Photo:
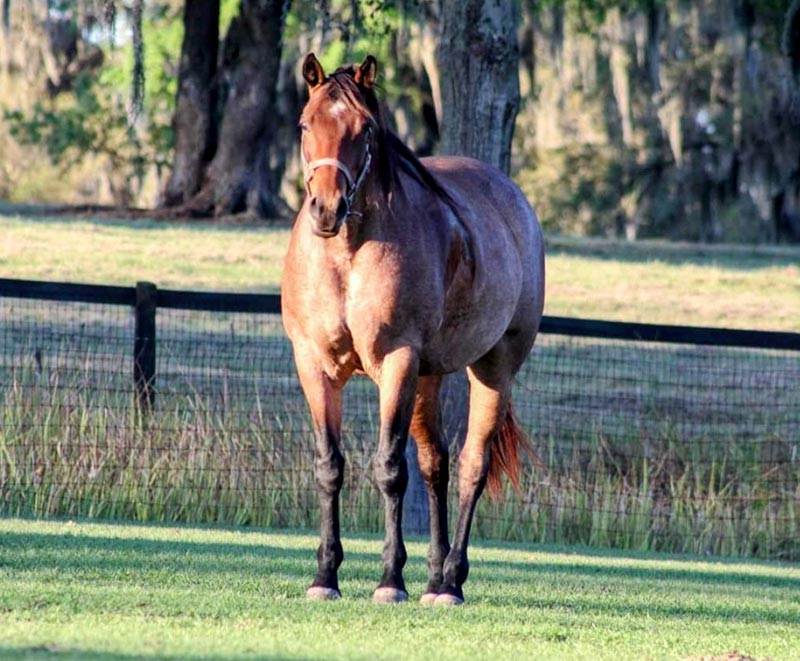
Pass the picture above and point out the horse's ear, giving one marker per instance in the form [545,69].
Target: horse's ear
[366,73]
[312,71]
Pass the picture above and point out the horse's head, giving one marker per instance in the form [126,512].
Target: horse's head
[336,143]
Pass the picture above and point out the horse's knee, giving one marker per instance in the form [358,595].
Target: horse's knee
[329,473]
[391,472]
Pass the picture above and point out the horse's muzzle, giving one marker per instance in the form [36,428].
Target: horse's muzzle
[325,221]
[325,233]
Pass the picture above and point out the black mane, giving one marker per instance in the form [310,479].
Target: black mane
[393,154]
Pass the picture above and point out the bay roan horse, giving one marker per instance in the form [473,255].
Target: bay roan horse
[406,270]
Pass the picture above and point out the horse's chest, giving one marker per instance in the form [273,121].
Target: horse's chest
[358,335]
[334,344]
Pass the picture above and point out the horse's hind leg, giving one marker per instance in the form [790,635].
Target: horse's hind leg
[487,408]
[426,428]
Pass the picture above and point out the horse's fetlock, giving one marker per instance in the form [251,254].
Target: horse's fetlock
[456,569]
[330,555]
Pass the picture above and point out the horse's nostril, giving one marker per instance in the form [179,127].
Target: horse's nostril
[341,209]
[314,208]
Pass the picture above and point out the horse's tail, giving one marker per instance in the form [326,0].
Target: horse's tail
[505,455]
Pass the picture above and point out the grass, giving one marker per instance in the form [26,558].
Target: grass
[652,282]
[121,252]
[95,592]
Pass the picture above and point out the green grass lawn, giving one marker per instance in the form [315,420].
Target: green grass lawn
[102,591]
[657,282]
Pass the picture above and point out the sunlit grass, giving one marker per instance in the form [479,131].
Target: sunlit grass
[74,590]
[173,255]
[649,282]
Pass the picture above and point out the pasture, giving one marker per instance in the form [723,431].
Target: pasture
[655,282]
[79,590]
[96,592]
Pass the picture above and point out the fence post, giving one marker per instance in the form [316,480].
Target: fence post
[144,344]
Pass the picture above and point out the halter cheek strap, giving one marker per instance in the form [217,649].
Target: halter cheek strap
[352,184]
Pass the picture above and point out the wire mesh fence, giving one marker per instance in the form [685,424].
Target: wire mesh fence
[644,445]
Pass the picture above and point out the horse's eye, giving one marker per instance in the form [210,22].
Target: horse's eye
[303,126]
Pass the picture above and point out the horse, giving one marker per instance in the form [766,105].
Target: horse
[406,270]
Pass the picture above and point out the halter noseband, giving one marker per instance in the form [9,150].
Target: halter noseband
[353,185]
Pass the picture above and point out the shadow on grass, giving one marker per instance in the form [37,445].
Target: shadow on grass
[123,561]
[81,552]
[67,653]
[729,256]
[593,599]
[105,216]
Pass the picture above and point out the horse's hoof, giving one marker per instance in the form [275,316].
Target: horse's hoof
[389,596]
[428,598]
[445,599]
[319,593]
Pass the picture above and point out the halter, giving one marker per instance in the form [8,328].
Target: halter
[353,185]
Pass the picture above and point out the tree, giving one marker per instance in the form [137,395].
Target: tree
[5,33]
[478,69]
[237,177]
[194,123]
[791,38]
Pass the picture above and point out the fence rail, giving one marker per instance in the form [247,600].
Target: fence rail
[654,436]
[271,304]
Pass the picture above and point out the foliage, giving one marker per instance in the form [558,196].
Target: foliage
[97,123]
[99,116]
[622,155]
[662,119]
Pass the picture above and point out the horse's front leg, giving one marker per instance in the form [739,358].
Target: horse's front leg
[397,383]
[325,402]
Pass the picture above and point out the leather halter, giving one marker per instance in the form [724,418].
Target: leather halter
[353,184]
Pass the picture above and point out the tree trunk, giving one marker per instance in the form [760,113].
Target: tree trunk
[194,123]
[478,63]
[5,36]
[655,28]
[791,39]
[238,177]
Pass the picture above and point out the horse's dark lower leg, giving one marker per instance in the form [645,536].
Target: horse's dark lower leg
[426,428]
[325,403]
[329,474]
[487,407]
[391,473]
[397,387]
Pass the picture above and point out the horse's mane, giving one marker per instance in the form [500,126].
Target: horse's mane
[393,155]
